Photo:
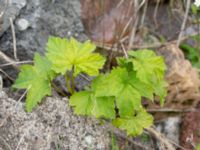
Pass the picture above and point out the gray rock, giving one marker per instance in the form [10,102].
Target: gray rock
[39,20]
[50,125]
[46,18]
[11,11]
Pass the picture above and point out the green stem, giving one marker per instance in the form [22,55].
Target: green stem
[126,142]
[70,81]
[67,79]
[58,90]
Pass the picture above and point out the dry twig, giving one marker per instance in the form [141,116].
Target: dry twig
[144,13]
[163,141]
[129,21]
[166,143]
[8,59]
[155,13]
[21,97]
[16,63]
[1,84]
[14,39]
[124,50]
[85,77]
[9,77]
[184,22]
[170,110]
[132,36]
[155,45]
[141,4]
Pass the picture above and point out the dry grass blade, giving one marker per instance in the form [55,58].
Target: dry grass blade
[10,78]
[8,59]
[155,13]
[144,13]
[1,83]
[124,50]
[133,32]
[21,97]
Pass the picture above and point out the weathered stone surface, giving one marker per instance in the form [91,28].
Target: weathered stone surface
[51,124]
[46,18]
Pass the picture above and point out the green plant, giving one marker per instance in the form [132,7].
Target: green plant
[115,95]
[192,54]
[197,146]
[63,57]
[114,144]
[36,79]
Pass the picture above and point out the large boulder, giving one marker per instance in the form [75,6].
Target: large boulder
[38,20]
[34,23]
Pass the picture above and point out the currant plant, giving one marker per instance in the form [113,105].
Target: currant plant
[36,79]
[63,57]
[115,95]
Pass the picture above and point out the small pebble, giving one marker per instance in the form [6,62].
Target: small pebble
[69,33]
[76,35]
[88,139]
[22,24]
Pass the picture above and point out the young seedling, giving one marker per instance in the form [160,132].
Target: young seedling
[114,95]
[63,57]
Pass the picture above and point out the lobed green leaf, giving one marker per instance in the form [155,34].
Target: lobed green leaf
[118,84]
[85,103]
[134,125]
[67,54]
[36,79]
[147,65]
